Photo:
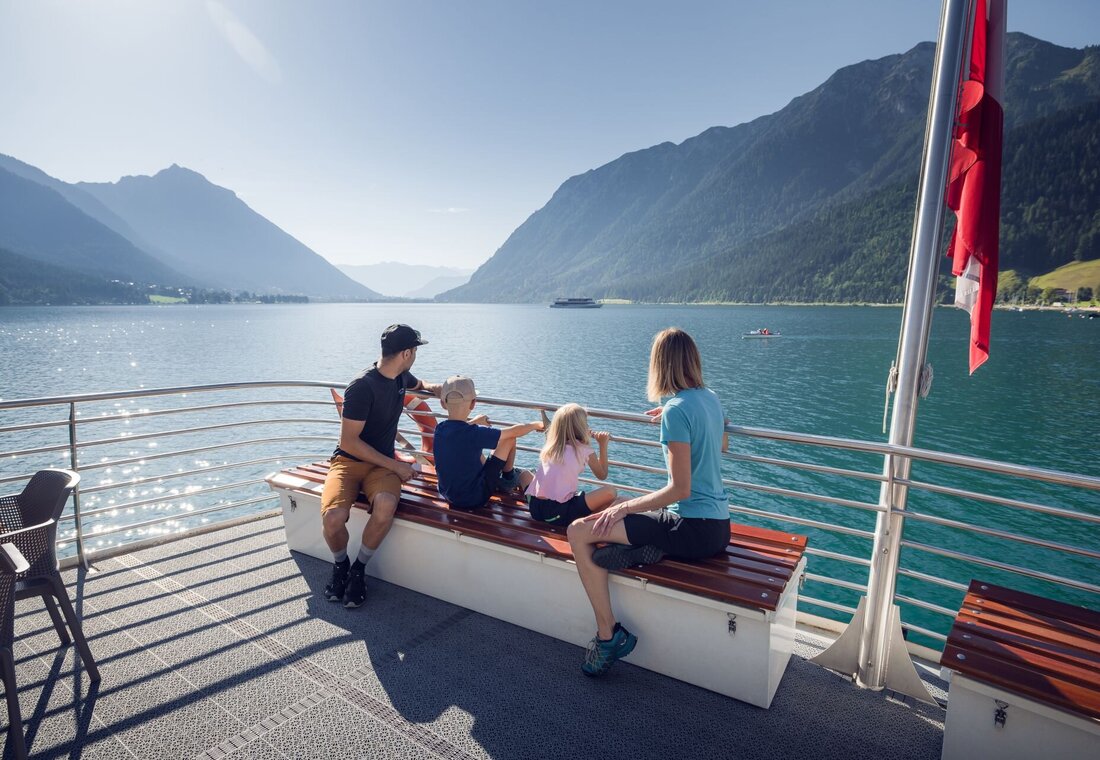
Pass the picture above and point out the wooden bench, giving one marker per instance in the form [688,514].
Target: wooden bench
[726,623]
[1025,677]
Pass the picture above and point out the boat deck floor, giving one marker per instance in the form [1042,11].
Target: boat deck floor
[222,644]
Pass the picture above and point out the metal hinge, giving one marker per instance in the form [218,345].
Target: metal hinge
[1001,715]
[802,581]
[293,504]
[731,623]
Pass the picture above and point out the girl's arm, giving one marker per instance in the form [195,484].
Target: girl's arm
[677,489]
[598,463]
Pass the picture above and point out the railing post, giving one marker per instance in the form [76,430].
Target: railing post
[76,491]
[872,648]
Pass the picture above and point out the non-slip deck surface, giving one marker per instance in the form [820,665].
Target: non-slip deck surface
[222,645]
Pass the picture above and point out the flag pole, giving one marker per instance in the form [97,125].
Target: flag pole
[872,648]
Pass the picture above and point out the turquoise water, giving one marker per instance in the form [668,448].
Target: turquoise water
[1036,402]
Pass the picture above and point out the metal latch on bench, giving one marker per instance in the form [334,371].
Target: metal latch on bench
[1001,715]
[731,623]
[293,505]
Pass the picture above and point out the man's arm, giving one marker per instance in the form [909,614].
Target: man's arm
[354,445]
[432,388]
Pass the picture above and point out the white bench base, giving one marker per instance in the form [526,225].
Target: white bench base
[1031,729]
[738,652]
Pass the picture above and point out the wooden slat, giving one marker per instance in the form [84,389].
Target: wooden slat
[1026,644]
[753,572]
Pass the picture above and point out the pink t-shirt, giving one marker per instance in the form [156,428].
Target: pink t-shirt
[557,481]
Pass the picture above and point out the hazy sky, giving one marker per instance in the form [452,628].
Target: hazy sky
[413,130]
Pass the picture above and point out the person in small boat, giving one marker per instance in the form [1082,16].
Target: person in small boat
[364,460]
[687,519]
[466,478]
[553,496]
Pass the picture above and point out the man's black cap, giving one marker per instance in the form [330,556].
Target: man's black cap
[397,338]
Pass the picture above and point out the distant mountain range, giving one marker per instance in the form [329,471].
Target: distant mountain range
[174,228]
[813,202]
[392,278]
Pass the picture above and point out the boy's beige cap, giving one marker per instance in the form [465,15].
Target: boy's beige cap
[457,389]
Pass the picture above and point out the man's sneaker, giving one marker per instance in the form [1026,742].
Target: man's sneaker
[601,655]
[356,592]
[334,591]
[622,556]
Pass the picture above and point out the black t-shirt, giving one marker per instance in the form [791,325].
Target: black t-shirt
[377,400]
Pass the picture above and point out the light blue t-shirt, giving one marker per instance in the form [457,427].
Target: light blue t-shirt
[694,416]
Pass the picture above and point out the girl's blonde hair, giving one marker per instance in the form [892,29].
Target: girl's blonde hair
[674,364]
[569,426]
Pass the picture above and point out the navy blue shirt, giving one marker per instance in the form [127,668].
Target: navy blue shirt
[458,447]
[377,400]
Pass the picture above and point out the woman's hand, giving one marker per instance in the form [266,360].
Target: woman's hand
[602,522]
[655,413]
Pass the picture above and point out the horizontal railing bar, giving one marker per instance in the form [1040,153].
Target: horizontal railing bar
[804,495]
[840,557]
[999,500]
[954,585]
[836,582]
[1080,585]
[1052,545]
[189,409]
[86,513]
[926,605]
[818,468]
[166,518]
[80,398]
[203,449]
[923,631]
[801,521]
[827,605]
[180,474]
[616,486]
[33,426]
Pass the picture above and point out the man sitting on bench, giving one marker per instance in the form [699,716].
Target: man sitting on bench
[364,460]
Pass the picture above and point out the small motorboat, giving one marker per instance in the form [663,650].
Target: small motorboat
[761,333]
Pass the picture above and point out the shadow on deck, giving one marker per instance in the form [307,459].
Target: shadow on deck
[222,645]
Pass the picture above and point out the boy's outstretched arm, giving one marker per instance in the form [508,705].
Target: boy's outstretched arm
[518,431]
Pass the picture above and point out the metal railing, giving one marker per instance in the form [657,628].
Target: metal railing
[821,485]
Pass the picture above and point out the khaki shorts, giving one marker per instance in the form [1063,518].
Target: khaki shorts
[347,478]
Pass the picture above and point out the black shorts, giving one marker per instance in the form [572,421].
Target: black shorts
[681,537]
[488,479]
[559,512]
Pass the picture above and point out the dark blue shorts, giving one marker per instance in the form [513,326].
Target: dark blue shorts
[681,537]
[559,512]
[488,480]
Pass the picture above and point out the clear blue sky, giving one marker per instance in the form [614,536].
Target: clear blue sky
[416,130]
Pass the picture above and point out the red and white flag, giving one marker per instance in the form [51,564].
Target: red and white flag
[974,182]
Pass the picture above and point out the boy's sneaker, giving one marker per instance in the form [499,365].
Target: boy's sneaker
[334,591]
[601,655]
[510,482]
[356,592]
[622,556]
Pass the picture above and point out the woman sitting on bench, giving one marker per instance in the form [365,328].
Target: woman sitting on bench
[693,517]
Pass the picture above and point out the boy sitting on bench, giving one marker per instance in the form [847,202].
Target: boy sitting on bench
[466,478]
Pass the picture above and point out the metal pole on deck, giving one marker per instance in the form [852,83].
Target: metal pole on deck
[872,648]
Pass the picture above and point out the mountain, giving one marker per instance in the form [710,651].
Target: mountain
[25,281]
[393,278]
[211,235]
[38,223]
[642,222]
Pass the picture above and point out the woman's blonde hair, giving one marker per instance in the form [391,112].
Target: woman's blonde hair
[569,426]
[674,364]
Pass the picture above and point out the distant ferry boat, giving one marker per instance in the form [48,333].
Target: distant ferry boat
[575,303]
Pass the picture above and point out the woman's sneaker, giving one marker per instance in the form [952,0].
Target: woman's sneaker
[601,655]
[622,556]
[334,591]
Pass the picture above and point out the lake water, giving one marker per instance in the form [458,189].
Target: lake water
[1036,402]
